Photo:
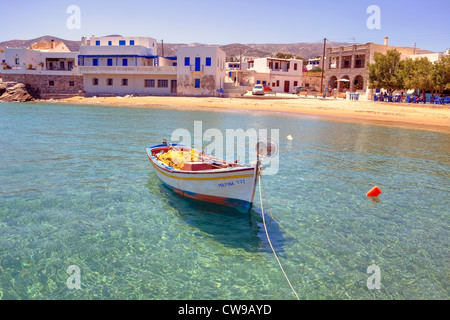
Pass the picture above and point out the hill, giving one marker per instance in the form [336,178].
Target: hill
[302,49]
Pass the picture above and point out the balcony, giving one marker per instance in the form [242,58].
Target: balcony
[171,70]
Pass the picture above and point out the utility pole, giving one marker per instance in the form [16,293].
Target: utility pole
[162,48]
[323,64]
[414,48]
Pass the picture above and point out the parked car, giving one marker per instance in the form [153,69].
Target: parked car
[258,89]
[299,89]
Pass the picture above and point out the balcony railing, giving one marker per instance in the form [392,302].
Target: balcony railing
[192,67]
[128,70]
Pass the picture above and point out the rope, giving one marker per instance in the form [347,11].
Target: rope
[270,243]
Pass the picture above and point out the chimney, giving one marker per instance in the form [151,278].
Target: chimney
[386,39]
[83,41]
[53,43]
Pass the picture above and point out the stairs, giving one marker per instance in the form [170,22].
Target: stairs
[230,90]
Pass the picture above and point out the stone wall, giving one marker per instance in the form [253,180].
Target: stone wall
[186,85]
[62,84]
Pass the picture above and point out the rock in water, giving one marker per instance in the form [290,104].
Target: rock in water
[17,92]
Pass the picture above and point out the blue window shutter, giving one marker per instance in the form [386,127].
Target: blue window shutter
[197,64]
[125,62]
[121,42]
[208,62]
[109,43]
[97,43]
[95,62]
[110,62]
[197,83]
[131,42]
[187,61]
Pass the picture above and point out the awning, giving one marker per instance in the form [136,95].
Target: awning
[344,80]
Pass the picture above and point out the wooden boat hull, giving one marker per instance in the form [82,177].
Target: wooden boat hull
[233,187]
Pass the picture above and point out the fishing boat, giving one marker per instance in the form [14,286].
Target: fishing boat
[203,177]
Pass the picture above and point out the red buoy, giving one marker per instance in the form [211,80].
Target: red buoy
[374,192]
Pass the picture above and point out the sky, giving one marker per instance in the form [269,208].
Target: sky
[426,23]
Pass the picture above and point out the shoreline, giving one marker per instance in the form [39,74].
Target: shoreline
[426,117]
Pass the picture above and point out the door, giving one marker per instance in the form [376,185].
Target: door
[197,64]
[173,86]
[286,86]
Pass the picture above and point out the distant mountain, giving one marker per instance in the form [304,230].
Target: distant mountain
[72,45]
[302,49]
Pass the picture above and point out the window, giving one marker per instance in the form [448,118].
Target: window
[278,83]
[295,66]
[17,61]
[149,83]
[121,42]
[124,82]
[97,43]
[109,43]
[163,83]
[197,83]
[131,42]
[208,62]
[187,61]
[109,62]
[295,83]
[71,83]
[51,83]
[95,81]
[109,82]
[95,62]
[125,62]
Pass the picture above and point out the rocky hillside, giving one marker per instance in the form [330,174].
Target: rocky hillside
[302,49]
[72,45]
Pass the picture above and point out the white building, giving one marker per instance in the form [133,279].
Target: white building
[130,65]
[281,75]
[126,65]
[314,63]
[48,70]
[201,70]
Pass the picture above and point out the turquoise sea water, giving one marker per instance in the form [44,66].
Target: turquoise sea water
[76,188]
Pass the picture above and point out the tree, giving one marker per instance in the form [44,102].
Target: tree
[305,62]
[418,74]
[281,55]
[385,72]
[317,69]
[441,74]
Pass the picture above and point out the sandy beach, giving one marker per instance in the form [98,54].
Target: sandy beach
[426,116]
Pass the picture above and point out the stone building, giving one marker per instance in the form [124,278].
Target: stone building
[346,66]
[50,71]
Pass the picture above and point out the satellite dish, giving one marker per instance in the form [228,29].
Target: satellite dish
[266,148]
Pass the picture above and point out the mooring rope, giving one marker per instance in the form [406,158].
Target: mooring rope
[268,238]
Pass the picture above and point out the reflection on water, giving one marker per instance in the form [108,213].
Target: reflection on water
[222,223]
